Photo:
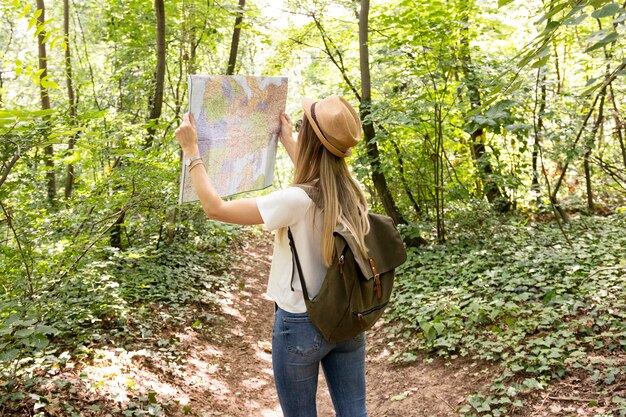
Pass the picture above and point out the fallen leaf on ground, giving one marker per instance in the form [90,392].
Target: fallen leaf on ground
[400,397]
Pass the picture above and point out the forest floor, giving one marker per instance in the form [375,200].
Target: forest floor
[220,365]
[243,386]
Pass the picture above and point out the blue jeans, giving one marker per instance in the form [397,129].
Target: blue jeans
[297,350]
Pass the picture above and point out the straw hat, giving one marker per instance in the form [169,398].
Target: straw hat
[335,122]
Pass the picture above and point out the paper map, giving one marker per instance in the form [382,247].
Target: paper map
[238,120]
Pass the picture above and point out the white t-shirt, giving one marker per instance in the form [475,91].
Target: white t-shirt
[293,208]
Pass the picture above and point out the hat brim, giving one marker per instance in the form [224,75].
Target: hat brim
[307,103]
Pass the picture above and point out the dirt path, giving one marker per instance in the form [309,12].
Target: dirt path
[239,371]
[223,367]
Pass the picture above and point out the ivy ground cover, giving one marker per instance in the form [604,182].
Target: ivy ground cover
[542,301]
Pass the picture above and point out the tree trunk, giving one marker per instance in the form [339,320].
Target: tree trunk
[159,78]
[541,78]
[416,206]
[607,82]
[116,230]
[69,180]
[378,177]
[8,28]
[586,165]
[45,104]
[438,170]
[234,45]
[479,152]
[619,126]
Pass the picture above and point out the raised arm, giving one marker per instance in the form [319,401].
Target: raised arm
[241,211]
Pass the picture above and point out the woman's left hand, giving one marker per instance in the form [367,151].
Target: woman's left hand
[286,128]
[187,135]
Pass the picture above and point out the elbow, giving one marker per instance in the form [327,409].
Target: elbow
[213,211]
[210,213]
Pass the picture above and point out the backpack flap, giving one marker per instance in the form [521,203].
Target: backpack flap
[384,244]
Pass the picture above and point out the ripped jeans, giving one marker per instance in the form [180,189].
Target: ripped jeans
[297,351]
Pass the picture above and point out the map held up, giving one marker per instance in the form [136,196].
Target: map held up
[238,120]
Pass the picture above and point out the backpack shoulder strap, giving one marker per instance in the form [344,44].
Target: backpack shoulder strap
[294,254]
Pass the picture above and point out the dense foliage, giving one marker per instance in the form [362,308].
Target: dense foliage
[474,108]
[117,298]
[522,294]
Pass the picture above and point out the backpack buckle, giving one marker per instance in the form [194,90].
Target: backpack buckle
[377,284]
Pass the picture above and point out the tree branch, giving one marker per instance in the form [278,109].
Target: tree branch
[29,277]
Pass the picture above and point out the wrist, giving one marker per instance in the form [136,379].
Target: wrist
[190,152]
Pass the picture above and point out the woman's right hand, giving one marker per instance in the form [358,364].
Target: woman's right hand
[187,135]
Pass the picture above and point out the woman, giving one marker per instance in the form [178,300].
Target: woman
[329,130]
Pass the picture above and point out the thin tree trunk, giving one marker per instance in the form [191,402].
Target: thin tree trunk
[541,79]
[378,177]
[557,67]
[619,125]
[45,104]
[405,183]
[586,165]
[590,205]
[159,78]
[331,49]
[438,165]
[607,82]
[479,151]
[69,179]
[116,230]
[234,45]
[7,48]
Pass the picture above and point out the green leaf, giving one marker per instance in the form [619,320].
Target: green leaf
[400,397]
[540,62]
[152,397]
[552,12]
[37,341]
[607,10]
[47,83]
[574,21]
[9,355]
[502,3]
[21,333]
[550,27]
[607,39]
[620,19]
[43,329]
[32,22]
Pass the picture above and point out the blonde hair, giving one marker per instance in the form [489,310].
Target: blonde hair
[339,195]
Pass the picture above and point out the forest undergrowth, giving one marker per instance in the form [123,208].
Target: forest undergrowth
[543,300]
[124,299]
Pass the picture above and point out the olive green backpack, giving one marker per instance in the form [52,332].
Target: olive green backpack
[355,290]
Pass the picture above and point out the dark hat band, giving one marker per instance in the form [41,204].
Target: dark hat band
[315,118]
